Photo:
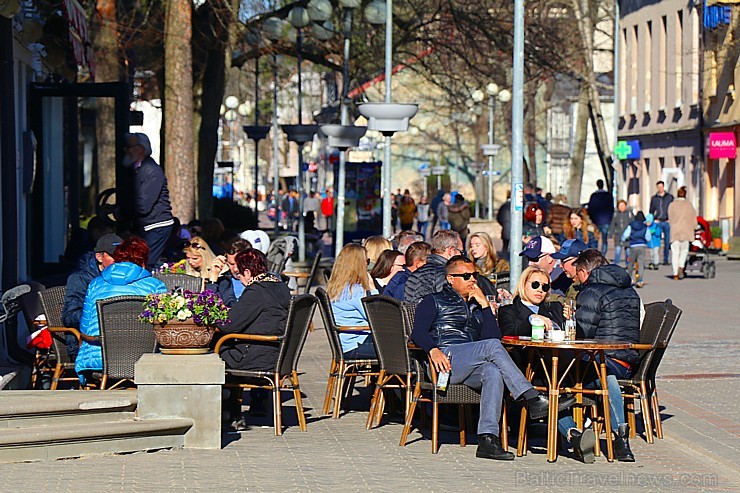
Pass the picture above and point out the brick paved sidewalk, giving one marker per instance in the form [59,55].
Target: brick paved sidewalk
[699,452]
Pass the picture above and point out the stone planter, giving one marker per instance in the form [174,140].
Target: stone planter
[176,337]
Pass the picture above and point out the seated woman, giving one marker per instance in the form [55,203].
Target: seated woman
[579,227]
[199,258]
[127,276]
[261,309]
[534,222]
[346,288]
[530,297]
[389,263]
[481,251]
[374,246]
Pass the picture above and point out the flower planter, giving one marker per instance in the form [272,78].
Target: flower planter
[186,337]
[717,243]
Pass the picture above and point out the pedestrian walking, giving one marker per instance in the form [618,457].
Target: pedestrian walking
[601,210]
[443,212]
[683,221]
[621,219]
[659,209]
[422,216]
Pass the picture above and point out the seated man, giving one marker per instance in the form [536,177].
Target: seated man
[227,284]
[416,257]
[608,308]
[566,286]
[463,340]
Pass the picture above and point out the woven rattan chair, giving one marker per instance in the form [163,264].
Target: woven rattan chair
[657,329]
[285,374]
[181,281]
[123,338]
[425,390]
[387,327]
[52,301]
[502,280]
[342,372]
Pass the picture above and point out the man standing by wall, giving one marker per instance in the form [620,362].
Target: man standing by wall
[601,210]
[659,209]
[150,210]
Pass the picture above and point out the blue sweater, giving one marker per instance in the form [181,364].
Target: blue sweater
[119,279]
[348,310]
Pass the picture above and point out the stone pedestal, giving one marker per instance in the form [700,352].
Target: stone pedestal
[183,386]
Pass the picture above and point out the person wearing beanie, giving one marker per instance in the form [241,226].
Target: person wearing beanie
[638,235]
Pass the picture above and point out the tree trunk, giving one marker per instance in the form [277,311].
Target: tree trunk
[107,69]
[584,13]
[178,108]
[579,147]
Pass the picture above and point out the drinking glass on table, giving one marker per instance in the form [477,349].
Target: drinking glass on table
[491,299]
[570,322]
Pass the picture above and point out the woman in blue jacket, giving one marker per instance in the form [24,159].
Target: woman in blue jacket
[127,276]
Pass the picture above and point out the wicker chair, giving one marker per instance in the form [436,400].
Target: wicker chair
[425,390]
[502,280]
[660,321]
[52,301]
[301,312]
[387,327]
[341,370]
[123,337]
[305,286]
[182,281]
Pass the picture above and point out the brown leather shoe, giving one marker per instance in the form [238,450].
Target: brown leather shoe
[675,278]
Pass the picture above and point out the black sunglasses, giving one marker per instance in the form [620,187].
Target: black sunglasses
[466,275]
[194,245]
[537,284]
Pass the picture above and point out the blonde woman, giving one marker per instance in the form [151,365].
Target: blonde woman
[375,245]
[199,258]
[530,297]
[347,286]
[481,251]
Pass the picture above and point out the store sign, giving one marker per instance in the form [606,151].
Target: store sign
[628,149]
[722,145]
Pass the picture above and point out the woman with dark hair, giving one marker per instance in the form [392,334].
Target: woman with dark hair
[262,309]
[534,222]
[389,263]
[127,276]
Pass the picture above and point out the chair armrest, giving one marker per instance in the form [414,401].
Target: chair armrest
[246,337]
[642,347]
[299,275]
[353,328]
[88,338]
[67,330]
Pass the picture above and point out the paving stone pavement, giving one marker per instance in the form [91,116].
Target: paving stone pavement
[698,383]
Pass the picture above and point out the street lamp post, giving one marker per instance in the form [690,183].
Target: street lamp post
[517,142]
[256,132]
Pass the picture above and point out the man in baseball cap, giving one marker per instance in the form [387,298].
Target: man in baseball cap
[88,268]
[565,284]
[539,251]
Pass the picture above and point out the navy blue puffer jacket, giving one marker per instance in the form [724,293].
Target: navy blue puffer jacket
[609,308]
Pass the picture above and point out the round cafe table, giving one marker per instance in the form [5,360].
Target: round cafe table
[544,349]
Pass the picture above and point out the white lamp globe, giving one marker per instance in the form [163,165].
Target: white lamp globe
[319,10]
[231,102]
[375,12]
[492,89]
[504,96]
[298,17]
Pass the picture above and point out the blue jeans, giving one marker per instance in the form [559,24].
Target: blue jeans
[604,231]
[422,227]
[366,350]
[487,366]
[665,232]
[614,372]
[444,224]
[618,252]
[156,239]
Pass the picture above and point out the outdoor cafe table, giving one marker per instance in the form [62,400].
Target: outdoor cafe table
[552,349]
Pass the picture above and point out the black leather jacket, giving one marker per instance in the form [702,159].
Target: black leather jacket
[455,322]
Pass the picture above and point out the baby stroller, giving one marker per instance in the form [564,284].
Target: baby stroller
[698,258]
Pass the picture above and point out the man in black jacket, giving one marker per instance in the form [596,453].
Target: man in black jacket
[458,330]
[431,277]
[150,210]
[608,308]
[659,209]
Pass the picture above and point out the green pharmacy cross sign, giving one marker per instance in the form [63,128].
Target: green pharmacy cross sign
[623,150]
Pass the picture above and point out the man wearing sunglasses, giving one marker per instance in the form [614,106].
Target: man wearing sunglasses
[566,285]
[458,330]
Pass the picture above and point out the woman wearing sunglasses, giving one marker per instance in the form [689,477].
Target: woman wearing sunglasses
[199,258]
[530,297]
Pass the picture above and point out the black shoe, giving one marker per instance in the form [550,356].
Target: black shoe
[239,424]
[583,445]
[622,450]
[539,406]
[489,447]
